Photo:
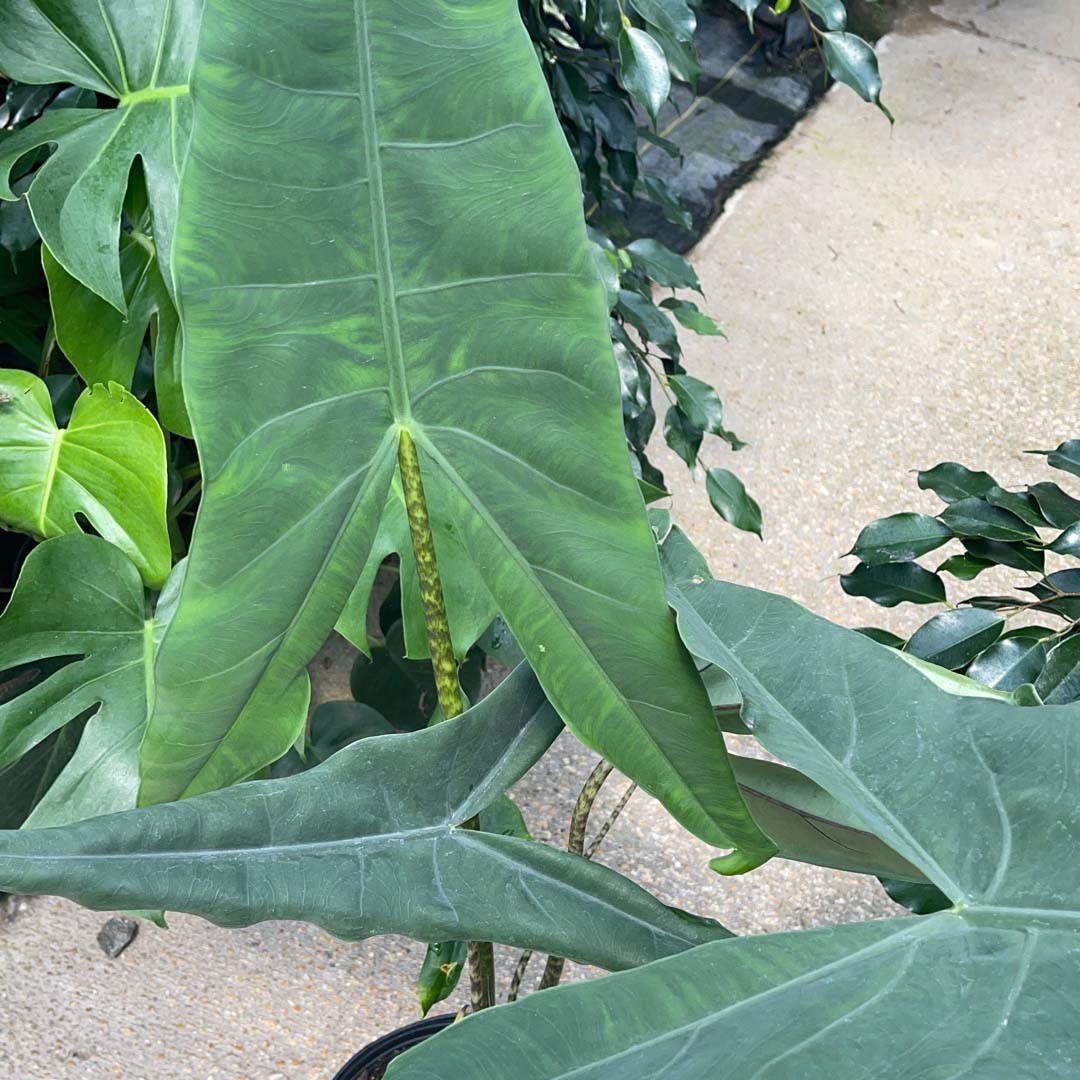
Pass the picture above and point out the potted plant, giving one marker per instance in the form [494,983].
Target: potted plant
[428,376]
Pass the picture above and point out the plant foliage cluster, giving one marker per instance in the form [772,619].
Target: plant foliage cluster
[1001,641]
[394,350]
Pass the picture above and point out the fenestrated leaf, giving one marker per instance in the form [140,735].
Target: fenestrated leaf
[103,345]
[143,62]
[1057,506]
[663,265]
[978,518]
[369,843]
[24,783]
[1065,457]
[954,638]
[978,794]
[643,69]
[1011,662]
[1059,681]
[952,482]
[731,500]
[900,538]
[480,325]
[108,464]
[894,583]
[79,604]
[852,61]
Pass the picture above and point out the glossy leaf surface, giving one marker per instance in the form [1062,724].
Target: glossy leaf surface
[899,538]
[447,287]
[368,843]
[108,465]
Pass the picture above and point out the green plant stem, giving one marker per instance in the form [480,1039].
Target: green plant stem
[575,844]
[481,954]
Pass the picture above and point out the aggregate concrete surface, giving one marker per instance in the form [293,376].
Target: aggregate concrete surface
[893,298]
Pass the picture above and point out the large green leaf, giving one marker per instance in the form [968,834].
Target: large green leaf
[978,794]
[445,287]
[137,54]
[108,465]
[369,843]
[78,606]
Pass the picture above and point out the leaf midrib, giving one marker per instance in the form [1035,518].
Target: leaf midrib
[384,269]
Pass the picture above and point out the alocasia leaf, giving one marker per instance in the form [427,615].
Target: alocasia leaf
[978,794]
[108,465]
[79,607]
[140,57]
[367,843]
[446,287]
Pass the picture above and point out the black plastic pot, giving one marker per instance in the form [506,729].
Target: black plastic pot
[371,1062]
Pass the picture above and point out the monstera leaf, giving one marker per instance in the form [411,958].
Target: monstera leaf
[108,465]
[140,57]
[79,609]
[445,288]
[369,843]
[103,345]
[978,794]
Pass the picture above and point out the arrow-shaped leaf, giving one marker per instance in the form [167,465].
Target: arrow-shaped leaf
[447,288]
[369,843]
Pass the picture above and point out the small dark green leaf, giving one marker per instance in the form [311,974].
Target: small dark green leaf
[990,603]
[440,972]
[964,567]
[683,436]
[663,265]
[1059,593]
[1018,556]
[1068,543]
[1059,681]
[649,321]
[699,401]
[730,500]
[894,583]
[882,637]
[645,72]
[831,12]
[1066,456]
[1020,503]
[899,538]
[952,482]
[692,317]
[976,517]
[668,202]
[852,62]
[1057,506]
[954,638]
[1010,662]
